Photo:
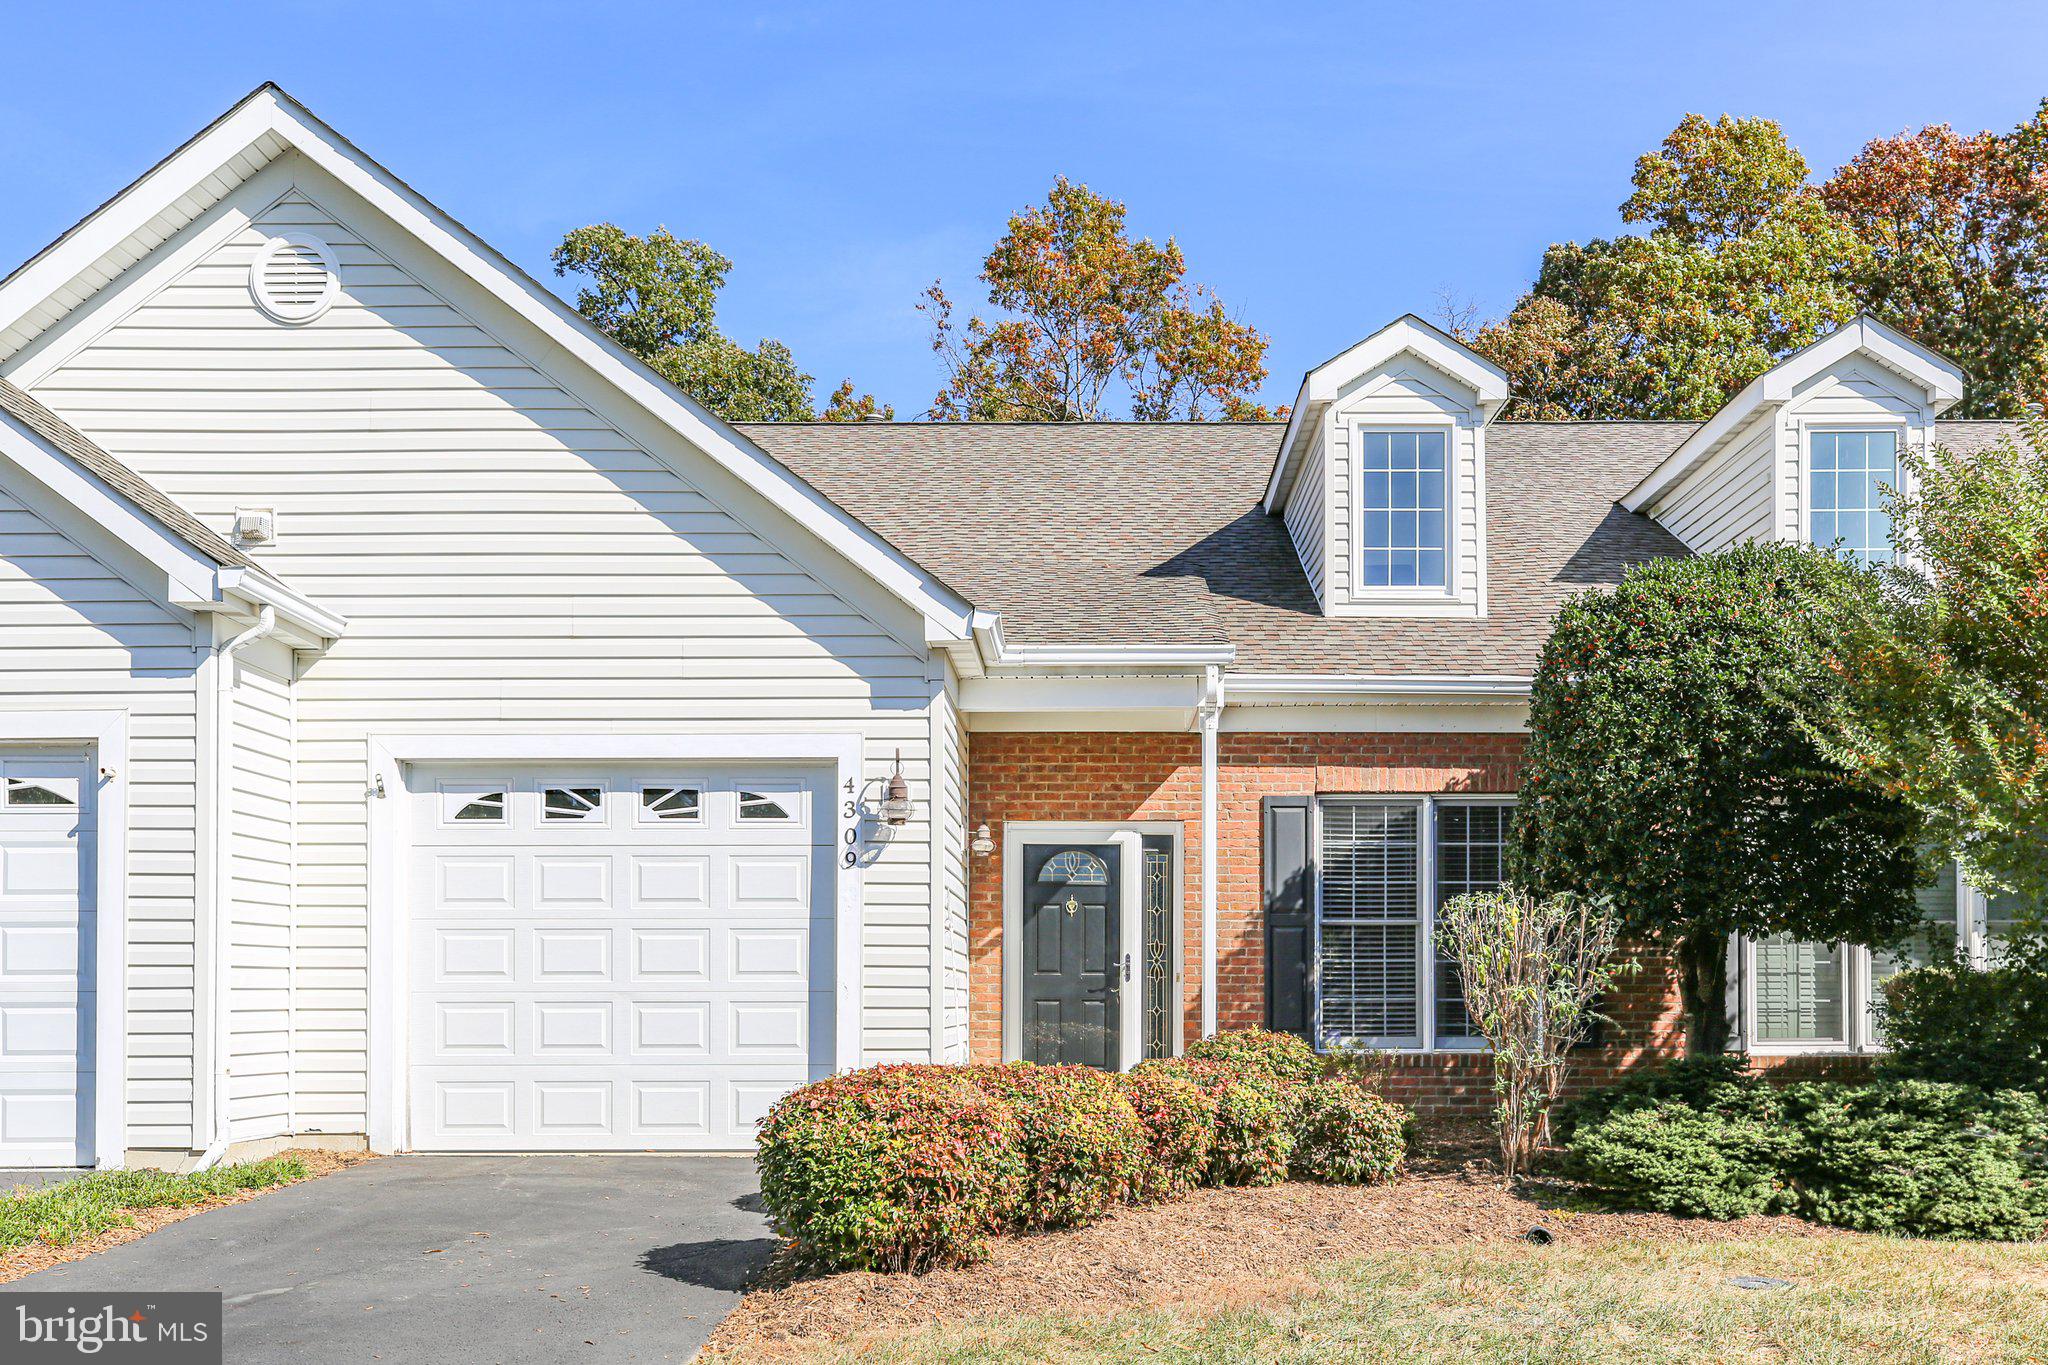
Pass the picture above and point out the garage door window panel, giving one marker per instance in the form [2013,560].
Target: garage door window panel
[584,802]
[672,805]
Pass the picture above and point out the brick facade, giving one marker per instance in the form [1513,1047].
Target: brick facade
[1088,777]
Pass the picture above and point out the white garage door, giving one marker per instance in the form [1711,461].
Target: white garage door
[46,959]
[619,959]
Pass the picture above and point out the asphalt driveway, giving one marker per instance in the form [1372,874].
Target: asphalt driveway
[464,1259]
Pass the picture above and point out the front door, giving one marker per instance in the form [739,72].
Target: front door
[1073,958]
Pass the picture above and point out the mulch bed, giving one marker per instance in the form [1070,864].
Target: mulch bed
[1222,1246]
[27,1260]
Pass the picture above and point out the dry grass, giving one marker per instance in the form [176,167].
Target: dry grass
[82,1217]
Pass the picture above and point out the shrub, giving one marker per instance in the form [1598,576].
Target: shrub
[1670,1157]
[1283,1056]
[1254,1123]
[1344,1135]
[1950,1022]
[1920,1157]
[892,1168]
[1084,1148]
[1179,1118]
[1719,1083]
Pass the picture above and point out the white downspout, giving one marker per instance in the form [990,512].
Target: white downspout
[225,683]
[1209,716]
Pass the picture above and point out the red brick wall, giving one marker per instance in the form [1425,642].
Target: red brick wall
[1114,776]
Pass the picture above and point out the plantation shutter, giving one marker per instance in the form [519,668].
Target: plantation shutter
[1288,881]
[1368,963]
[1799,991]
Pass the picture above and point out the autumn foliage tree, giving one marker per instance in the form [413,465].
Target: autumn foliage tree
[1743,258]
[657,296]
[1090,324]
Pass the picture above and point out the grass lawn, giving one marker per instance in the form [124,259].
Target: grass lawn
[1851,1297]
[62,1214]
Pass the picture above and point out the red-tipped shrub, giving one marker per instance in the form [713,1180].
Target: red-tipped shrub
[1083,1146]
[1345,1135]
[1283,1056]
[1254,1122]
[1179,1117]
[892,1168]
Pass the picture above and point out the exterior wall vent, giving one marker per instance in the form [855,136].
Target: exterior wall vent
[294,277]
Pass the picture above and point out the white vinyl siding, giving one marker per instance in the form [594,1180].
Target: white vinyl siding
[262,869]
[79,636]
[508,556]
[1729,498]
[950,812]
[1384,867]
[1305,519]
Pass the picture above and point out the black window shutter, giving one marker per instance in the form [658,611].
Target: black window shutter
[1288,882]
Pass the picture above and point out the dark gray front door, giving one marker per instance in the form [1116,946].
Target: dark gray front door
[1072,953]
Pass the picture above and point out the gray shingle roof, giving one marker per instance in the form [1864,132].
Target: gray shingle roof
[17,403]
[1128,532]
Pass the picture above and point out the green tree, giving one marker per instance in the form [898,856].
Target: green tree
[844,406]
[1944,697]
[1086,315]
[1956,227]
[1742,262]
[657,296]
[1670,771]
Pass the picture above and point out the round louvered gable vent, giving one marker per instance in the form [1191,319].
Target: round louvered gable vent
[294,277]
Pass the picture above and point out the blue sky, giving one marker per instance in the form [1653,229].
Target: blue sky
[1325,168]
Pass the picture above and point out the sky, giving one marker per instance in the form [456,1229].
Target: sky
[1325,168]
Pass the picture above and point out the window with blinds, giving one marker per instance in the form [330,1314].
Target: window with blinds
[1471,849]
[1800,991]
[1370,927]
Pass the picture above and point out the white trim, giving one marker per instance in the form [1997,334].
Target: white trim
[269,115]
[390,755]
[1937,377]
[1209,718]
[105,736]
[1129,838]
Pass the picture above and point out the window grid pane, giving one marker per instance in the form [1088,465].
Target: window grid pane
[1471,844]
[1850,471]
[1371,922]
[1402,481]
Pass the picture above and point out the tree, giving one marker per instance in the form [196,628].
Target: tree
[1532,970]
[1742,263]
[1669,770]
[1087,315]
[843,406]
[1944,696]
[657,296]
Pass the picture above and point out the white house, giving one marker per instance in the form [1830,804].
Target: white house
[422,725]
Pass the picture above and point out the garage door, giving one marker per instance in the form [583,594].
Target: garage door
[614,960]
[46,959]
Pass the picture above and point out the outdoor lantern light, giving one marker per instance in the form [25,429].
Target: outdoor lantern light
[896,806]
[983,845]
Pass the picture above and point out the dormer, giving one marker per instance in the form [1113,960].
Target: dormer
[1381,475]
[1804,452]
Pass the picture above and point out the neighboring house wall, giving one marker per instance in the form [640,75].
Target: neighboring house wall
[262,865]
[514,556]
[82,637]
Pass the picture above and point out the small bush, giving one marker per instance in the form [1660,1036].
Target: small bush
[1344,1135]
[1179,1119]
[1719,1083]
[1950,1022]
[1920,1157]
[1254,1123]
[1084,1148]
[1670,1157]
[892,1168]
[1283,1056]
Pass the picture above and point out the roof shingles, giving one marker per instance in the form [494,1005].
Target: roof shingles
[1097,533]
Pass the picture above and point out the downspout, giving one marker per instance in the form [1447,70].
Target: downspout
[223,746]
[1209,716]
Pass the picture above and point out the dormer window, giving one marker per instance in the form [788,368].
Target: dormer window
[1850,472]
[1403,509]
